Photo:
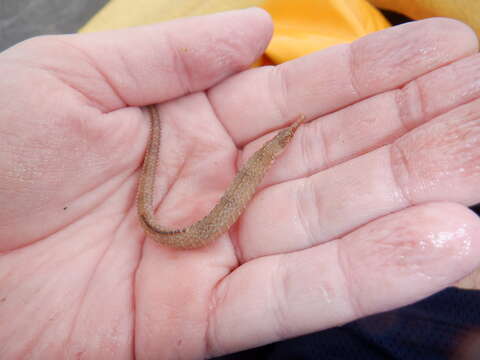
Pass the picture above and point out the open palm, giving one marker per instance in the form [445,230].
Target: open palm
[364,212]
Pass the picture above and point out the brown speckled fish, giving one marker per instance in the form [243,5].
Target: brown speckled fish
[226,211]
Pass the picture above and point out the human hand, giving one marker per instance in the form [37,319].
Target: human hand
[364,212]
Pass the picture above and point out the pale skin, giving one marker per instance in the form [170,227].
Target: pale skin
[370,197]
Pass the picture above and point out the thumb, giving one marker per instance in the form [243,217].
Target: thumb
[159,62]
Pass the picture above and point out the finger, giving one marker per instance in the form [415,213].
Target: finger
[155,63]
[388,263]
[331,79]
[438,161]
[441,160]
[373,122]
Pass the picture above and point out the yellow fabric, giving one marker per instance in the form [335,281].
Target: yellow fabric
[117,14]
[305,26]
[467,11]
[301,26]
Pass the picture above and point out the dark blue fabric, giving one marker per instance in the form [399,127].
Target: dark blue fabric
[443,326]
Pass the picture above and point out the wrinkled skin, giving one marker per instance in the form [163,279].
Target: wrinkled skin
[366,210]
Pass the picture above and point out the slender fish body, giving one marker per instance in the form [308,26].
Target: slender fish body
[230,206]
